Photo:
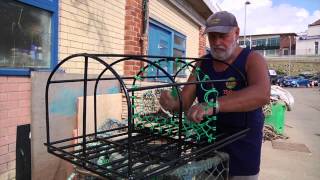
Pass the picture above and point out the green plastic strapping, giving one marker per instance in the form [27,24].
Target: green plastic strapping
[163,125]
[178,63]
[135,87]
[143,70]
[137,77]
[207,100]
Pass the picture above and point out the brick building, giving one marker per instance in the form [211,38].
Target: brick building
[36,35]
[271,44]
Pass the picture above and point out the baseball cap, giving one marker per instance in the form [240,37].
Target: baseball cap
[221,22]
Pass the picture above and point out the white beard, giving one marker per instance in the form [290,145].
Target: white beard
[223,56]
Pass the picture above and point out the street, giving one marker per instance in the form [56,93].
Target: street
[302,126]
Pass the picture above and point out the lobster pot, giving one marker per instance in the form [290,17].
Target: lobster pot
[143,140]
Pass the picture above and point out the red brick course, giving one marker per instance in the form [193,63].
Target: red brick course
[12,147]
[15,109]
[4,149]
[3,79]
[11,165]
[3,97]
[3,168]
[6,140]
[7,157]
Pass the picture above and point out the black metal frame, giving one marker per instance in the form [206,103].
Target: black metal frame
[140,157]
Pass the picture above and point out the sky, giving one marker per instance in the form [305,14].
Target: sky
[272,16]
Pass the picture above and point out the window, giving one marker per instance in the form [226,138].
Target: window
[316,47]
[254,42]
[261,42]
[273,42]
[164,41]
[28,36]
[180,41]
[179,48]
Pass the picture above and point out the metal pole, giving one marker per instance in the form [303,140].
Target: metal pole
[245,22]
[244,29]
[289,55]
[290,45]
[84,110]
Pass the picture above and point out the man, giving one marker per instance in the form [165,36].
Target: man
[238,103]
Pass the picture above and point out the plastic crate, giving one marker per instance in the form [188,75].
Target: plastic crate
[276,118]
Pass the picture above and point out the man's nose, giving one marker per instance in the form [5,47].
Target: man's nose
[216,41]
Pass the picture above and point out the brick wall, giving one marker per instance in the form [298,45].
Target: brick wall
[15,102]
[202,42]
[285,43]
[135,43]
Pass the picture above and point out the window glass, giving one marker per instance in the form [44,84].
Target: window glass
[179,41]
[273,42]
[178,53]
[25,36]
[177,66]
[261,42]
[163,48]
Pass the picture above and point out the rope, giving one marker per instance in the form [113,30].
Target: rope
[267,110]
[269,134]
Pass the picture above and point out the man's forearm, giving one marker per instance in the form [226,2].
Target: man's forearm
[244,100]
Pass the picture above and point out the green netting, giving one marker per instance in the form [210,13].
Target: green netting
[148,113]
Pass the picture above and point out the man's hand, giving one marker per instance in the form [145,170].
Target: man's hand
[167,101]
[198,111]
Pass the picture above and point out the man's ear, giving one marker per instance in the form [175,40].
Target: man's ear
[237,32]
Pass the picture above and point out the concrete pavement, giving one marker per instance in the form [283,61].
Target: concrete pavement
[303,127]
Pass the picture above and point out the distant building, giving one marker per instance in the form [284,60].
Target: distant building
[271,44]
[308,43]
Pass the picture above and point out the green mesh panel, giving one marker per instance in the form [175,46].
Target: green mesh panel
[148,116]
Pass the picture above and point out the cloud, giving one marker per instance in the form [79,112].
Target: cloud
[264,17]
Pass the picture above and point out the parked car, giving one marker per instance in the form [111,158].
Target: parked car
[314,81]
[296,81]
[280,80]
[313,78]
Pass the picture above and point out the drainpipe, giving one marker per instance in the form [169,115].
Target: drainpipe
[145,25]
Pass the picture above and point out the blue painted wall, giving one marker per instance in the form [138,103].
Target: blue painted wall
[64,102]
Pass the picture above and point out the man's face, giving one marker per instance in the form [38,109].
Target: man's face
[222,45]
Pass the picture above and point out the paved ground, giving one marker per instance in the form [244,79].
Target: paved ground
[302,126]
